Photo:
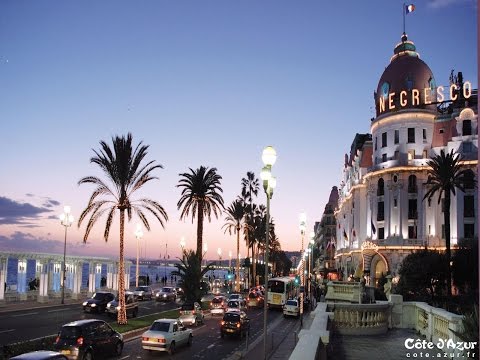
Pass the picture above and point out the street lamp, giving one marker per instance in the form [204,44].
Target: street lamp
[205,249]
[138,235]
[303,227]
[66,219]
[269,156]
[219,252]
[182,245]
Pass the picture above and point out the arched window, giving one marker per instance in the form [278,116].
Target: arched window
[466,127]
[468,179]
[380,187]
[412,184]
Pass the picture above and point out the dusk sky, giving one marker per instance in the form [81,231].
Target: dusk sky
[202,83]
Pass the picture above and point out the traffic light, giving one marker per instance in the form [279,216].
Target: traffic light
[297,280]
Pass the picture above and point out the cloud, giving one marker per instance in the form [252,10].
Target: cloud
[51,203]
[438,4]
[13,212]
[26,242]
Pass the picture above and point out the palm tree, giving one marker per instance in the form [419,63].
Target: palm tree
[191,275]
[445,176]
[123,167]
[250,187]
[235,216]
[201,196]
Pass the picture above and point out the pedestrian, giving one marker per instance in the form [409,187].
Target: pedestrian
[175,279]
[171,279]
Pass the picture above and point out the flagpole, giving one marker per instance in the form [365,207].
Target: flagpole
[403,11]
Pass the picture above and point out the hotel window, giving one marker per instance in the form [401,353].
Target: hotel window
[380,187]
[381,233]
[443,231]
[396,155]
[412,209]
[384,139]
[412,232]
[411,154]
[468,206]
[395,202]
[384,157]
[441,131]
[411,135]
[397,137]
[424,134]
[467,147]
[412,184]
[376,141]
[380,211]
[468,179]
[468,231]
[466,127]
[425,154]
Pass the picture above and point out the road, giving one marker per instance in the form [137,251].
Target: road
[25,325]
[207,343]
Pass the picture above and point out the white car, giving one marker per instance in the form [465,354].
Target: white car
[166,335]
[233,305]
[291,308]
[239,298]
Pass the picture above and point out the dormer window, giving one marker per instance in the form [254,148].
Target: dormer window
[466,127]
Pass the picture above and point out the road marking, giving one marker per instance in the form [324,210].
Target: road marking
[146,307]
[125,357]
[50,311]
[4,331]
[34,313]
[210,346]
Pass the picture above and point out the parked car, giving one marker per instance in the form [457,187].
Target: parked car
[254,299]
[143,292]
[235,323]
[218,305]
[40,355]
[191,314]
[166,335]
[291,308]
[167,293]
[88,339]
[98,302]
[179,291]
[130,303]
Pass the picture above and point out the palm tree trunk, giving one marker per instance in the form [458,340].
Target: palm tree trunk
[237,271]
[200,233]
[122,313]
[446,219]
[254,267]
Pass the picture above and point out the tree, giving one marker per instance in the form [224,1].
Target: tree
[124,168]
[200,196]
[191,275]
[444,177]
[422,276]
[465,263]
[235,217]
[250,187]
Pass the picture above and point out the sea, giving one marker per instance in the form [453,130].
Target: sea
[154,272]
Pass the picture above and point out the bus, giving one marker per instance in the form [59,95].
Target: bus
[280,289]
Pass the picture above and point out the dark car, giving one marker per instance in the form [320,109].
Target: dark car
[40,355]
[235,323]
[88,339]
[131,305]
[98,302]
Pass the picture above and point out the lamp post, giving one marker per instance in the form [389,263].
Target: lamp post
[303,227]
[219,252]
[312,242]
[269,156]
[66,220]
[138,235]
[182,245]
[205,249]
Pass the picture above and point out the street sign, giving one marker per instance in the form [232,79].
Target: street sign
[302,289]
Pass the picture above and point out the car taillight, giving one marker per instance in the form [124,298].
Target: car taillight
[222,323]
[193,312]
[161,341]
[238,325]
[80,341]
[57,339]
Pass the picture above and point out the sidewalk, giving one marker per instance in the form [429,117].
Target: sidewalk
[32,304]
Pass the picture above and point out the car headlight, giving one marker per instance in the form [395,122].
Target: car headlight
[118,308]
[164,295]
[94,305]
[109,305]
[85,303]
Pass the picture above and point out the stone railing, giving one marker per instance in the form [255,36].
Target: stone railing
[339,291]
[361,319]
[312,343]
